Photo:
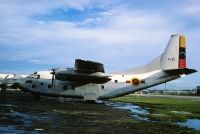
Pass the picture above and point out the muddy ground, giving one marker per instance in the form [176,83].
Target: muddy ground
[19,113]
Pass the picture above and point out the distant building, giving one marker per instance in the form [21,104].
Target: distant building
[198,90]
[179,92]
[175,92]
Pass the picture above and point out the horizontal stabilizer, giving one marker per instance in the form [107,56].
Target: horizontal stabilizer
[181,71]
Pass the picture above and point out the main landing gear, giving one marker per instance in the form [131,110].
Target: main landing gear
[36,97]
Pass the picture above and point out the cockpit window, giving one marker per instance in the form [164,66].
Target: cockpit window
[36,76]
[31,76]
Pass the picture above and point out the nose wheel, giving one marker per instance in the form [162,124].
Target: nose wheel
[2,90]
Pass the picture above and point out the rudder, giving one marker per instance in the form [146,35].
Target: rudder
[182,52]
[174,56]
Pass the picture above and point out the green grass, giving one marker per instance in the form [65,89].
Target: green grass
[166,109]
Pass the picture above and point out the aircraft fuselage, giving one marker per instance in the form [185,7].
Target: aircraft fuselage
[118,86]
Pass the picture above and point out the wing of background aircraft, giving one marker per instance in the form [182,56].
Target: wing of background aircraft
[10,80]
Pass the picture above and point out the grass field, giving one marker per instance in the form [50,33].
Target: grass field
[167,110]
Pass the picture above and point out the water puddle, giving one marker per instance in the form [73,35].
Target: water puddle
[13,130]
[191,123]
[180,112]
[26,118]
[140,113]
[137,111]
[3,104]
[39,129]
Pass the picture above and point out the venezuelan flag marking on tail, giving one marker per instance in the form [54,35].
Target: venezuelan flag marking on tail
[182,52]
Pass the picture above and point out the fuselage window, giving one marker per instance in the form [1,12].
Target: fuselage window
[116,81]
[28,81]
[49,86]
[33,86]
[142,81]
[102,86]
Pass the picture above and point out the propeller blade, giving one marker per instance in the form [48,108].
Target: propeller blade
[52,80]
[53,77]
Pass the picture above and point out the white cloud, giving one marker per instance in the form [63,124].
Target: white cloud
[126,29]
[190,9]
[123,27]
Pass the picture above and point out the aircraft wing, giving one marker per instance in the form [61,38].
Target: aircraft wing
[181,71]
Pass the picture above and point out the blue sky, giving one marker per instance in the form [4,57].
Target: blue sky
[42,34]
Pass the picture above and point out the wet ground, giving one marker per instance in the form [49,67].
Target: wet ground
[21,114]
[137,112]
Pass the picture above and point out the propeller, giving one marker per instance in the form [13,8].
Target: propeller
[53,76]
[6,76]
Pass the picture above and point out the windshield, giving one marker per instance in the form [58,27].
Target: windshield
[36,76]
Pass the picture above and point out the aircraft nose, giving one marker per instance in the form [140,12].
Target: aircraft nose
[21,83]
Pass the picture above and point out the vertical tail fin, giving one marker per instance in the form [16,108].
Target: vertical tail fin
[174,56]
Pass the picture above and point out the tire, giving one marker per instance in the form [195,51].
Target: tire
[36,97]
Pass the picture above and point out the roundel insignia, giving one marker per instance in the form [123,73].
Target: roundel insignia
[135,81]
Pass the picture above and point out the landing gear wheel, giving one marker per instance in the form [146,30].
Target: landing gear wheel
[2,90]
[36,97]
[90,101]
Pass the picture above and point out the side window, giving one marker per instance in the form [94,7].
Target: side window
[28,81]
[49,86]
[142,81]
[102,87]
[33,86]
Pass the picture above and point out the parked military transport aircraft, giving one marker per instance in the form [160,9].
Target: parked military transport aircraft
[87,80]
